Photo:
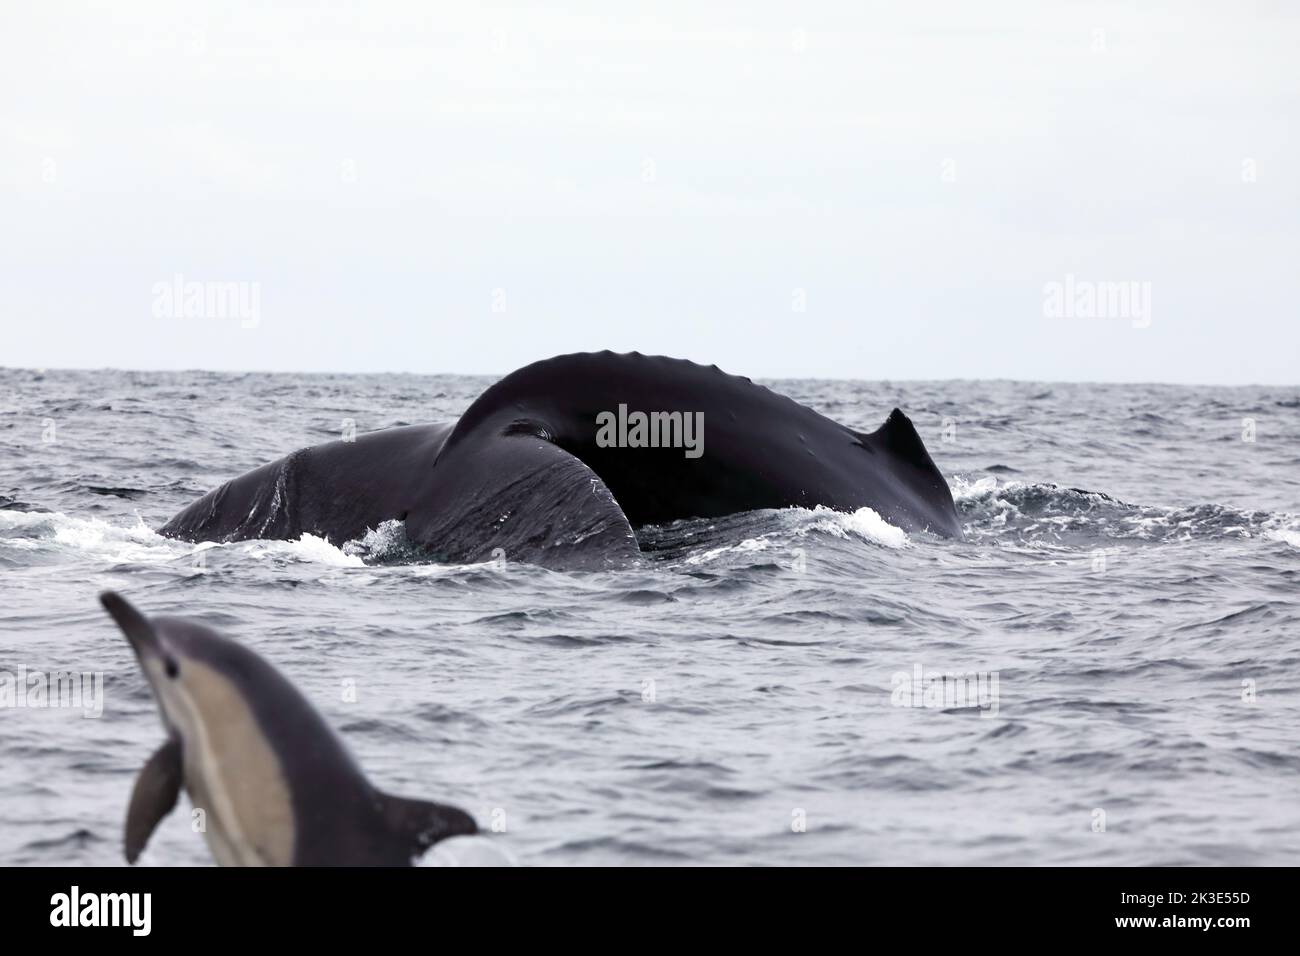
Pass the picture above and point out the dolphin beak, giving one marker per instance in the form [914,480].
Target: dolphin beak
[133,624]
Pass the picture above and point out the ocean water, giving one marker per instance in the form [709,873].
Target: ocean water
[1125,600]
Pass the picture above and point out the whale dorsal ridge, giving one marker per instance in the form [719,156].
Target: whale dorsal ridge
[898,436]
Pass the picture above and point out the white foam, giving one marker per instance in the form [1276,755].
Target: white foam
[386,541]
[137,543]
[87,537]
[865,523]
[963,488]
[1285,535]
[308,548]
[469,851]
[311,548]
[704,557]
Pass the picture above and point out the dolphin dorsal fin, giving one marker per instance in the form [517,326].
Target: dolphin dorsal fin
[419,824]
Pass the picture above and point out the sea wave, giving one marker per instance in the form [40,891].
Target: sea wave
[1047,512]
[992,511]
[783,527]
[52,536]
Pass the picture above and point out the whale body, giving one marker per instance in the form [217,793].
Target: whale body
[559,462]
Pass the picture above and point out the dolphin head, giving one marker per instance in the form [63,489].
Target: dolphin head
[181,659]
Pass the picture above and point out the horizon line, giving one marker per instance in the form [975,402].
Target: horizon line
[40,370]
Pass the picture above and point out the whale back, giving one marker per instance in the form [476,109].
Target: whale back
[755,448]
[337,490]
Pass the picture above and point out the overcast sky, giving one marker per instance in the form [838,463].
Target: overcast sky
[848,189]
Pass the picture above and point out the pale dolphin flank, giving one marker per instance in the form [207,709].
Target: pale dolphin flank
[275,785]
[543,468]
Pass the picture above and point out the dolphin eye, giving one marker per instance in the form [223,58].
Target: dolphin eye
[172,668]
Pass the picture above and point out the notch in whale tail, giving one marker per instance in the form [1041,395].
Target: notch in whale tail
[898,439]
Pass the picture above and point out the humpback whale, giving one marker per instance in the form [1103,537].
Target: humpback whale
[275,785]
[560,461]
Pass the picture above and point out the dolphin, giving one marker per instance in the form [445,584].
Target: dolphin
[276,786]
[561,461]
